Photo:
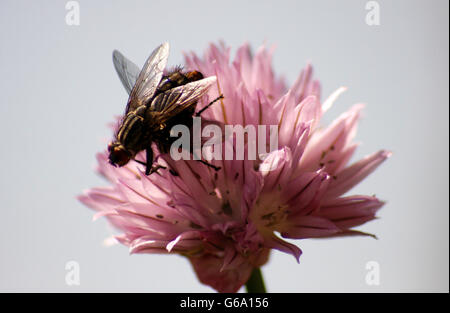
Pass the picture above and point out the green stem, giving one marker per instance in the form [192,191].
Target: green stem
[255,284]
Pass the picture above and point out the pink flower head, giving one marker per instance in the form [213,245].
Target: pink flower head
[225,222]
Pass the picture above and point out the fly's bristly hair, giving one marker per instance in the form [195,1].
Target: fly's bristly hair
[158,100]
[173,69]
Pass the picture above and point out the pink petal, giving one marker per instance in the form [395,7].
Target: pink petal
[144,245]
[276,243]
[308,227]
[301,84]
[347,207]
[351,176]
[208,269]
[303,201]
[328,145]
[102,198]
[232,259]
[186,239]
[276,168]
[327,104]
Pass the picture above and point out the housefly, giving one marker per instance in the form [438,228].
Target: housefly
[156,103]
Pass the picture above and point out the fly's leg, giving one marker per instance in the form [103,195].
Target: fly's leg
[149,168]
[216,168]
[140,162]
[206,107]
[199,159]
[154,169]
[149,163]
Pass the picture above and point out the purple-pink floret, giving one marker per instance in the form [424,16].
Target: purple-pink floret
[226,222]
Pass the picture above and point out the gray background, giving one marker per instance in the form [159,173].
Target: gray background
[59,90]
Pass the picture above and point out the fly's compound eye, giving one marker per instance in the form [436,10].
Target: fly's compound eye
[110,146]
[118,155]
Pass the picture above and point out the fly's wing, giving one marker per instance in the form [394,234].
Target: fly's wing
[149,78]
[180,98]
[127,70]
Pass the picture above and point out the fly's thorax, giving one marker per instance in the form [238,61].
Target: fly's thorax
[172,80]
[177,78]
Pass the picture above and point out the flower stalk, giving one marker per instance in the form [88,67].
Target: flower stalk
[255,284]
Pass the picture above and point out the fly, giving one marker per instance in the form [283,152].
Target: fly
[156,103]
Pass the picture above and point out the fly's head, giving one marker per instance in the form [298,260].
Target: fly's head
[118,154]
